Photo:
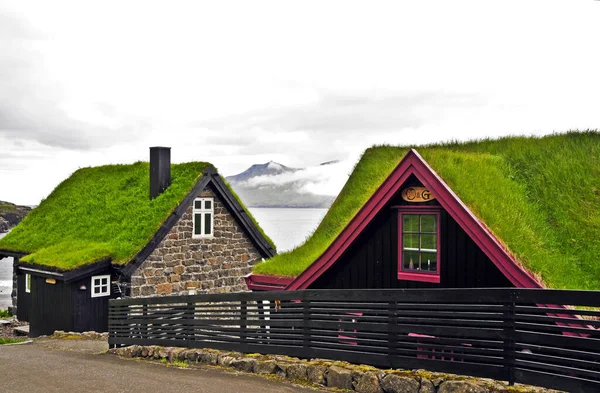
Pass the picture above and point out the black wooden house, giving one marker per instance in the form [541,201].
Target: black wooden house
[192,235]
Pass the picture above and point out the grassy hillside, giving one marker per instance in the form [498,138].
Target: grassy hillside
[539,196]
[98,213]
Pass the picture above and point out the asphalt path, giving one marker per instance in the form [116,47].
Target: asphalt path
[78,367]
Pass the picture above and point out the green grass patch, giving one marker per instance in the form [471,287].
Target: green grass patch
[5,314]
[11,340]
[539,196]
[98,213]
[7,207]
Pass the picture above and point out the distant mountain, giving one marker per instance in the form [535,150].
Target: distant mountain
[11,215]
[329,162]
[270,168]
[266,185]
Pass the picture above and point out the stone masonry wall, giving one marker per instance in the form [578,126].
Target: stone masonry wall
[208,265]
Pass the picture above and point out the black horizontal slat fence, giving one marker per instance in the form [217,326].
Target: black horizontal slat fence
[533,336]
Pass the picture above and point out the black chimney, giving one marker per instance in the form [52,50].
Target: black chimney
[160,170]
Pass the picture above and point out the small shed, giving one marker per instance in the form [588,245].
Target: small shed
[514,212]
[145,229]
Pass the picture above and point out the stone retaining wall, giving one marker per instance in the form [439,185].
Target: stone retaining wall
[208,265]
[337,375]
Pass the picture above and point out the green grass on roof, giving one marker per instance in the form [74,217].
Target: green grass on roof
[262,232]
[98,213]
[539,196]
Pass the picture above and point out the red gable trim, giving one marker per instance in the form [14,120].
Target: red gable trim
[413,163]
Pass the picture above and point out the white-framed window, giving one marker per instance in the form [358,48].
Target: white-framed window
[28,283]
[100,285]
[203,217]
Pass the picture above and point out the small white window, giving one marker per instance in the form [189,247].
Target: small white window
[28,283]
[100,286]
[203,217]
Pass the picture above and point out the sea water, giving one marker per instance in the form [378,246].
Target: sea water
[6,267]
[287,228]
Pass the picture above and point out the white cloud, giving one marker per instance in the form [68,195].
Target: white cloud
[238,83]
[319,180]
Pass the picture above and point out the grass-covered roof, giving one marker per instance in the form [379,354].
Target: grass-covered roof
[539,196]
[98,213]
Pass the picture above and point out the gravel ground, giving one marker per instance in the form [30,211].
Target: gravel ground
[78,366]
[7,331]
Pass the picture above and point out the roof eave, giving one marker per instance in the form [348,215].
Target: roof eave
[64,275]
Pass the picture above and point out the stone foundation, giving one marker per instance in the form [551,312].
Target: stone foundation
[337,375]
[181,263]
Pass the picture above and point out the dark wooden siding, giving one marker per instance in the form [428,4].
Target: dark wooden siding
[89,313]
[50,307]
[23,299]
[372,260]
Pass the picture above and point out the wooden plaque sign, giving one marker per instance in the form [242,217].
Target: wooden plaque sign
[417,194]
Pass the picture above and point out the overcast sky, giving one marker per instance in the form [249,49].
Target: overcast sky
[87,83]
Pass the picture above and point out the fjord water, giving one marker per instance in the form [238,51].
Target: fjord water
[6,266]
[286,227]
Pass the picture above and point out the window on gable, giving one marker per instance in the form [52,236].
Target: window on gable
[203,213]
[418,251]
[100,286]
[28,283]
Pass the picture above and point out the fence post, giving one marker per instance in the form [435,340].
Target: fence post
[145,329]
[392,332]
[189,322]
[243,321]
[305,325]
[509,338]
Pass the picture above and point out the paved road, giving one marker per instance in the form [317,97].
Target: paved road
[72,367]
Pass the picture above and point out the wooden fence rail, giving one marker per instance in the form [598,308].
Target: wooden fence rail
[541,337]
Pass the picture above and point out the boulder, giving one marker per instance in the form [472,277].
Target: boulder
[225,361]
[297,371]
[192,356]
[339,377]
[316,373]
[461,387]
[281,369]
[426,386]
[367,383]
[211,358]
[398,384]
[244,364]
[265,367]
[174,354]
[163,353]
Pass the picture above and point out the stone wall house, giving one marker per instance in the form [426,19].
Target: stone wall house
[182,263]
[189,234]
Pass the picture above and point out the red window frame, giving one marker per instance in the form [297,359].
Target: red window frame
[433,277]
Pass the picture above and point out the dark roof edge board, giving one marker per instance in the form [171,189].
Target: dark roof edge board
[240,213]
[14,254]
[128,269]
[66,276]
[413,163]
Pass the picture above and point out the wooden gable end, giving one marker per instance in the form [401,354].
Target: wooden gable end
[413,168]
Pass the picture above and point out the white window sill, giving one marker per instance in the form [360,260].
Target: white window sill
[203,236]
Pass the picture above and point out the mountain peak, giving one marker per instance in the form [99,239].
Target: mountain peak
[268,169]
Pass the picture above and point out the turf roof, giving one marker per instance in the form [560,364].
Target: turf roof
[539,196]
[98,213]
